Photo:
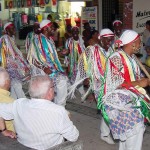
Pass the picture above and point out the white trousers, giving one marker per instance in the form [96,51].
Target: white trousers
[61,91]
[16,90]
[134,142]
[104,129]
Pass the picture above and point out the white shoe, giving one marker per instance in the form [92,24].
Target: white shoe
[108,139]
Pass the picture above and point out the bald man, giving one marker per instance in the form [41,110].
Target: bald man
[39,123]
[5,94]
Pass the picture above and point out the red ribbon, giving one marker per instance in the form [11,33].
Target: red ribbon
[48,25]
[10,25]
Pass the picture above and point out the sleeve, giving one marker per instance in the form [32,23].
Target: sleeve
[6,111]
[67,129]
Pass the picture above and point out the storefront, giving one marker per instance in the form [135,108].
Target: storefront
[100,13]
[25,13]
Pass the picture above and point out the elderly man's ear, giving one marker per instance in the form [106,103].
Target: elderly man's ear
[49,95]
[7,85]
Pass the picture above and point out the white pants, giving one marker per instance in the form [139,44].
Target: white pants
[104,129]
[61,91]
[134,142]
[16,90]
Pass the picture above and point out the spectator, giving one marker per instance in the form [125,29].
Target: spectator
[5,94]
[94,38]
[146,33]
[39,123]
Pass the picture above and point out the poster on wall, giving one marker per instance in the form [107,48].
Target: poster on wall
[89,14]
[140,15]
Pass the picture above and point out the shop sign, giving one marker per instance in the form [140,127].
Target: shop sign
[140,15]
[89,14]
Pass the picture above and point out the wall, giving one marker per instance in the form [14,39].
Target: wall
[127,13]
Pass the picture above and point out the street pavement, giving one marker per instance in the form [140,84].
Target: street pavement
[85,117]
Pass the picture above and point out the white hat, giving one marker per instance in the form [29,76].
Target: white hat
[7,25]
[128,36]
[74,27]
[36,22]
[117,22]
[106,33]
[45,23]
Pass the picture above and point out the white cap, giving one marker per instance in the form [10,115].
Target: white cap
[75,27]
[117,22]
[106,33]
[45,23]
[8,24]
[128,36]
[36,22]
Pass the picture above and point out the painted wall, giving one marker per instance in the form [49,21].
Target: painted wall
[141,13]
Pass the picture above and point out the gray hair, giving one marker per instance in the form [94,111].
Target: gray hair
[39,86]
[4,76]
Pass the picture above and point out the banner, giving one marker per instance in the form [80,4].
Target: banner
[140,14]
[89,14]
[29,3]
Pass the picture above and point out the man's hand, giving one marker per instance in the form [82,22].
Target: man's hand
[65,52]
[47,70]
[10,134]
[144,82]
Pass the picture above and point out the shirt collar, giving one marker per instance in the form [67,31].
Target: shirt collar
[4,92]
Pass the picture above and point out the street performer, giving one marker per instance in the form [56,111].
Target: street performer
[13,61]
[43,56]
[74,48]
[125,102]
[92,66]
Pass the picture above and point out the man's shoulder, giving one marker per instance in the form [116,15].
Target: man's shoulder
[4,37]
[6,99]
[56,108]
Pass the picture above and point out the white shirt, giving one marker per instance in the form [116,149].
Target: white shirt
[39,124]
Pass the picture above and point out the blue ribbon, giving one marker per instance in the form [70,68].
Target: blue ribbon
[47,53]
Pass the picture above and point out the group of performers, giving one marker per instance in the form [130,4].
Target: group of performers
[109,64]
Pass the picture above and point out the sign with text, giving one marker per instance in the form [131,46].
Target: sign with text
[141,13]
[89,14]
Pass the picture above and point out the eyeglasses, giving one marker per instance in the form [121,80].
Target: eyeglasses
[52,86]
